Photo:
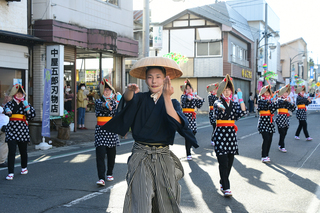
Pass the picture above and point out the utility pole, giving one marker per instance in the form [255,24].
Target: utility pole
[266,35]
[266,39]
[145,29]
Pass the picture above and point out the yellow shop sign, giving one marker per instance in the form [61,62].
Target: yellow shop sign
[246,73]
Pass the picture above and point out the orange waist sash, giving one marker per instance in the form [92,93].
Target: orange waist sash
[283,111]
[211,107]
[266,113]
[18,117]
[189,110]
[302,106]
[103,120]
[227,123]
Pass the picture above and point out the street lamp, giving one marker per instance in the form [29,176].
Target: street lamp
[291,62]
[272,46]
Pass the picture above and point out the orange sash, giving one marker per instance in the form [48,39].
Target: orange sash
[18,117]
[103,120]
[227,123]
[266,113]
[283,111]
[189,110]
[211,108]
[302,106]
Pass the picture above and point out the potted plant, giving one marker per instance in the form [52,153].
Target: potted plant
[64,130]
[67,118]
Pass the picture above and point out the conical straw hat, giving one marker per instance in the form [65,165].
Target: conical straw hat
[103,84]
[300,89]
[265,89]
[139,68]
[223,84]
[15,89]
[213,86]
[286,88]
[186,82]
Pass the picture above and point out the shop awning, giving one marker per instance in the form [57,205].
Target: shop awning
[19,38]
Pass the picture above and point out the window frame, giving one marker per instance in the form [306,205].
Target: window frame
[208,45]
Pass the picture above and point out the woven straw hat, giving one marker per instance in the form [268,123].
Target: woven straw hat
[15,89]
[300,89]
[103,85]
[265,89]
[286,88]
[213,86]
[186,82]
[223,84]
[172,68]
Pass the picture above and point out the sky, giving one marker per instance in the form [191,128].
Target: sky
[298,18]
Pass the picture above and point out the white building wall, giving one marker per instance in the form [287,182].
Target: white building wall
[182,41]
[88,13]
[12,56]
[255,11]
[13,16]
[208,67]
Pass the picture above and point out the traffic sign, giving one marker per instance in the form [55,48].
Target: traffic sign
[318,84]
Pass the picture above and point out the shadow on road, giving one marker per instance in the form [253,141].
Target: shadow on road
[211,194]
[304,183]
[253,176]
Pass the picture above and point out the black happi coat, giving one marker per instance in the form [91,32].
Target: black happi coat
[149,121]
[103,137]
[193,103]
[264,123]
[282,119]
[225,137]
[302,113]
[211,100]
[18,130]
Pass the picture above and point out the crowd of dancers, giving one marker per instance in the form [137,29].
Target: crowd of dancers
[153,117]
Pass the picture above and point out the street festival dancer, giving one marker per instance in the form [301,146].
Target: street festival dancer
[153,170]
[105,141]
[266,128]
[282,120]
[189,101]
[226,112]
[301,103]
[212,97]
[17,131]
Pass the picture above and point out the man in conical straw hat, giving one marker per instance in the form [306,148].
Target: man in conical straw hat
[212,97]
[154,118]
[17,130]
[105,141]
[226,112]
[266,109]
[282,120]
[189,101]
[301,103]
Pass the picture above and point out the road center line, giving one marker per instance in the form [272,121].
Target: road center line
[305,160]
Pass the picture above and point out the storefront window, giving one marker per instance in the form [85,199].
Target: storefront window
[9,77]
[88,72]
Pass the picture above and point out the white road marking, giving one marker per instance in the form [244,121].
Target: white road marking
[94,194]
[305,160]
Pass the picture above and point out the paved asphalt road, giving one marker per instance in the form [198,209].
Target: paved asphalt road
[63,179]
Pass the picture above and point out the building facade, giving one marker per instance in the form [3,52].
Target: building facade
[15,46]
[259,14]
[294,53]
[215,46]
[97,38]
